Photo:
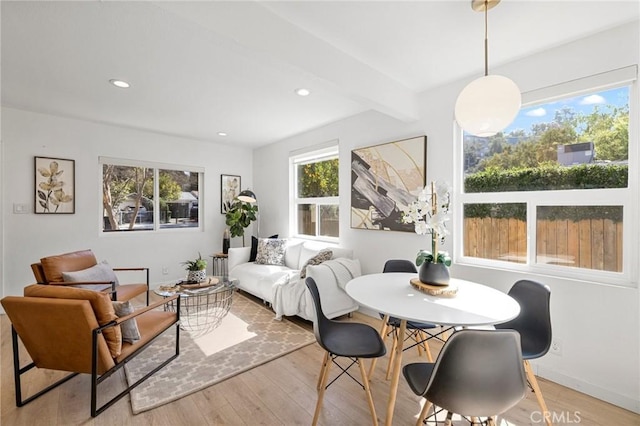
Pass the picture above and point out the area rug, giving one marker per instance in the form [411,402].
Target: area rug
[246,338]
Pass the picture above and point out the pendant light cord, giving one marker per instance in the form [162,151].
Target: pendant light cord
[486,38]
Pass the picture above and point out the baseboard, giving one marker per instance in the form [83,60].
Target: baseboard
[612,397]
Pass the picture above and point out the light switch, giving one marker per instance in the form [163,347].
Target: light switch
[20,208]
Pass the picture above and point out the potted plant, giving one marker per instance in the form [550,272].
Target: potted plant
[429,214]
[197,269]
[239,216]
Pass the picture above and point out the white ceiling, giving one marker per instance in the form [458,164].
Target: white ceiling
[198,68]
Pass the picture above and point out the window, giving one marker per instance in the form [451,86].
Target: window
[145,197]
[552,192]
[314,194]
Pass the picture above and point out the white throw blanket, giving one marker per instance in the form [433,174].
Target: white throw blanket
[289,290]
[344,270]
[288,294]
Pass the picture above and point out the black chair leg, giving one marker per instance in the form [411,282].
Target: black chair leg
[17,374]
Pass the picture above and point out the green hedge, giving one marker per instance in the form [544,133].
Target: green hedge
[497,211]
[576,213]
[584,176]
[519,211]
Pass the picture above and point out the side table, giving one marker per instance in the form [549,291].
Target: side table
[202,309]
[220,264]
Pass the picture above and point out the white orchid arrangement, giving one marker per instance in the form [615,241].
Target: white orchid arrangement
[429,214]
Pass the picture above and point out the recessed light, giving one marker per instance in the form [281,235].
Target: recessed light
[120,83]
[303,92]
[222,134]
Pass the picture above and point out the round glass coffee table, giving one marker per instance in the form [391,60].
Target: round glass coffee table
[203,306]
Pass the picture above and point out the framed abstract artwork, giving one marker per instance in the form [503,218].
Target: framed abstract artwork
[385,179]
[55,186]
[229,190]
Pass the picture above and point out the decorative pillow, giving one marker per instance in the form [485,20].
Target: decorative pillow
[130,332]
[100,272]
[322,256]
[254,247]
[292,254]
[271,251]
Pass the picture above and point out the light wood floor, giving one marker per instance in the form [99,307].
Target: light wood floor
[281,392]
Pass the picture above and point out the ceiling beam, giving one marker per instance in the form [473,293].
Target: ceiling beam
[273,41]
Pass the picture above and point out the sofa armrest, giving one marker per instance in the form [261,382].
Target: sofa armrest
[237,256]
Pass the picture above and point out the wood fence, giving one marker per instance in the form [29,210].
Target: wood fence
[588,243]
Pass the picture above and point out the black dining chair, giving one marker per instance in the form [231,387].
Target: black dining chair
[351,340]
[534,325]
[415,330]
[478,373]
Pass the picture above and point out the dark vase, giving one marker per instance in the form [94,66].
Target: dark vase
[226,242]
[434,273]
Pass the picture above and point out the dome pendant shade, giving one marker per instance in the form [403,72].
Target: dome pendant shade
[487,105]
[248,196]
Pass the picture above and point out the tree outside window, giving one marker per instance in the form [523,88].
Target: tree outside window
[559,166]
[316,181]
[131,198]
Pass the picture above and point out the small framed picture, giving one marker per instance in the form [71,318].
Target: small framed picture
[55,186]
[229,190]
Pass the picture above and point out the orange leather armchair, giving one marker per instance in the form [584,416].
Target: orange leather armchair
[50,270]
[76,330]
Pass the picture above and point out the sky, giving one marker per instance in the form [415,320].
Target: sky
[544,113]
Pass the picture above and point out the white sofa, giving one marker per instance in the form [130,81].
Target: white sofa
[282,287]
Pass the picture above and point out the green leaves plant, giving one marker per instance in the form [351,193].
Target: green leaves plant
[427,256]
[239,216]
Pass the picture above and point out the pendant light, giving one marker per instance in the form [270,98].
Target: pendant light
[488,104]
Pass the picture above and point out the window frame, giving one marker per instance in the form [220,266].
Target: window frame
[157,167]
[328,151]
[625,197]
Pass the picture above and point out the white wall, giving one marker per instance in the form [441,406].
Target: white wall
[599,325]
[28,237]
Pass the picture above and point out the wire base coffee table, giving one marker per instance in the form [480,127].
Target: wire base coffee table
[202,307]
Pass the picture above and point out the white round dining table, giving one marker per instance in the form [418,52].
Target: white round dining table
[393,295]
[473,305]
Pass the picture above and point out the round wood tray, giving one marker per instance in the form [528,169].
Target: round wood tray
[210,281]
[435,290]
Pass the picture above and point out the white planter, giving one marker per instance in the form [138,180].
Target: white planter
[197,276]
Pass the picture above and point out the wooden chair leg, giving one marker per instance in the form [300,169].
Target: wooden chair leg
[448,421]
[383,334]
[392,354]
[491,421]
[324,365]
[367,389]
[323,384]
[445,334]
[417,337]
[423,413]
[536,389]
[426,345]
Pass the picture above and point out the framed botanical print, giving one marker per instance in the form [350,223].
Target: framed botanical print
[229,190]
[385,179]
[55,186]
